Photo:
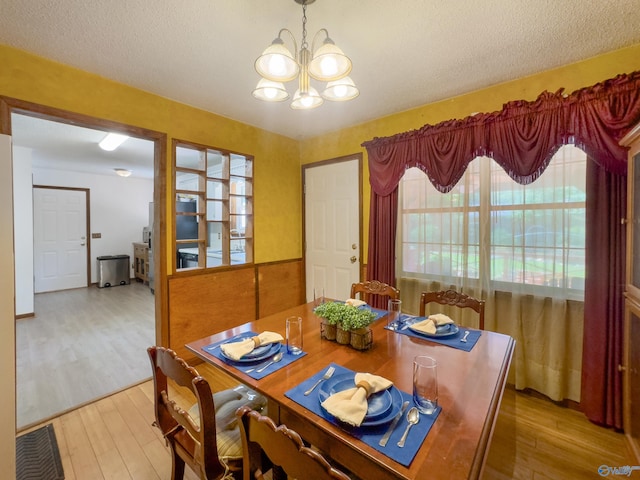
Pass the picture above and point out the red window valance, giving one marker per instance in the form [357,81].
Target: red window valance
[522,137]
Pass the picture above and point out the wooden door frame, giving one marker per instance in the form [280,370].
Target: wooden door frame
[10,105]
[87,198]
[7,313]
[322,163]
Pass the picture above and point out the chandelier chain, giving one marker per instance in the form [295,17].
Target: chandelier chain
[304,26]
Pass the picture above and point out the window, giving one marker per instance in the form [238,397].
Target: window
[214,207]
[488,227]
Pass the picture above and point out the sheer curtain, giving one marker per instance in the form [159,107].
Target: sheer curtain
[519,247]
[522,138]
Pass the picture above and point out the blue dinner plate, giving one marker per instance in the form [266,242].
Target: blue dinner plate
[441,331]
[382,406]
[259,353]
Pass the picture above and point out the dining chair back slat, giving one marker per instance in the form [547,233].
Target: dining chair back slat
[283,447]
[192,443]
[453,298]
[365,290]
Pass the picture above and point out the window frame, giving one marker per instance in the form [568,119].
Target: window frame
[233,243]
[486,245]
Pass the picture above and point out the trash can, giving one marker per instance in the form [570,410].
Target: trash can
[113,270]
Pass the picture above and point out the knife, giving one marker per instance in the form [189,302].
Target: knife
[383,441]
[408,321]
[406,325]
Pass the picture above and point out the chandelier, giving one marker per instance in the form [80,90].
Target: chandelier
[327,63]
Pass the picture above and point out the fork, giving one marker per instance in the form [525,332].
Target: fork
[326,376]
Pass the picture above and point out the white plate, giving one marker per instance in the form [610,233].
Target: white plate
[259,353]
[383,406]
[441,331]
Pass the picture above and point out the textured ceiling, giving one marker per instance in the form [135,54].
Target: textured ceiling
[201,53]
[61,146]
[405,54]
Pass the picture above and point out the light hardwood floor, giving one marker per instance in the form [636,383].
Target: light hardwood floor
[82,344]
[113,439]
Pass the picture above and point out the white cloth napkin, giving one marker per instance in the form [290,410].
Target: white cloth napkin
[354,302]
[350,405]
[236,350]
[430,325]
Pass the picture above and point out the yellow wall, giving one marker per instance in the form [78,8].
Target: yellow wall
[277,211]
[571,77]
[278,217]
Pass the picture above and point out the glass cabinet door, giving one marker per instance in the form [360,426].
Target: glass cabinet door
[634,225]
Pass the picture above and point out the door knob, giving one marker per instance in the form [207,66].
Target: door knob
[353,259]
[354,246]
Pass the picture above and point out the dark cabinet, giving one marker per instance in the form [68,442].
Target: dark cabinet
[631,363]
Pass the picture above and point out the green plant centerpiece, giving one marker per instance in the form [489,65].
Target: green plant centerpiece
[341,320]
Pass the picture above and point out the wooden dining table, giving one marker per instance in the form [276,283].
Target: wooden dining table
[471,385]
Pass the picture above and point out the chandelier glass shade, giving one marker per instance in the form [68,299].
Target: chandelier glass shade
[277,63]
[327,63]
[270,91]
[341,90]
[311,99]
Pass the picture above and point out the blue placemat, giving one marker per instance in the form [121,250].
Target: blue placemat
[369,435]
[452,341]
[379,313]
[287,358]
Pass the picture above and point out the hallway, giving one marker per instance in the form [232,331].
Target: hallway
[82,344]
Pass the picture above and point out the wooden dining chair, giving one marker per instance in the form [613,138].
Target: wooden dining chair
[373,287]
[206,436]
[283,447]
[455,299]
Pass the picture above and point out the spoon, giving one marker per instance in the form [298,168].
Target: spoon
[265,364]
[413,417]
[276,358]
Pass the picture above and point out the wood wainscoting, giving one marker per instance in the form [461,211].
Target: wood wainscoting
[280,286]
[203,303]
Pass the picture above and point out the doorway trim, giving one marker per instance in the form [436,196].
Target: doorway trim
[9,105]
[344,158]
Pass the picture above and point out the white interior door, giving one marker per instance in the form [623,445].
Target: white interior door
[332,228]
[60,239]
